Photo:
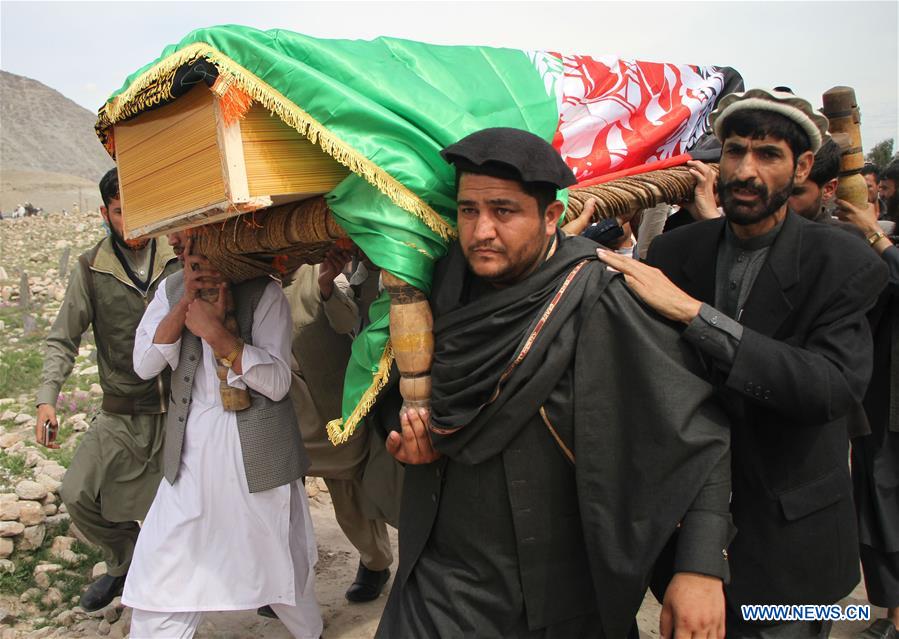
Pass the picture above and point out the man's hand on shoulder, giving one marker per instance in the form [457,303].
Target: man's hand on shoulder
[413,446]
[653,287]
[693,608]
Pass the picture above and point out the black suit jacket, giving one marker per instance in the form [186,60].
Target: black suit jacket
[802,366]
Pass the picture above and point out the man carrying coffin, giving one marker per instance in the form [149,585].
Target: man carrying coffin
[570,432]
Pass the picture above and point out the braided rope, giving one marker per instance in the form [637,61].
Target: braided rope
[627,195]
[271,242]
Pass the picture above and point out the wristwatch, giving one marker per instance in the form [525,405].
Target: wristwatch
[228,361]
[875,237]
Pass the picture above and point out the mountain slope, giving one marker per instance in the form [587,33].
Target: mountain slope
[42,130]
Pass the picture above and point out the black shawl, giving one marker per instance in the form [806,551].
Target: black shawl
[648,435]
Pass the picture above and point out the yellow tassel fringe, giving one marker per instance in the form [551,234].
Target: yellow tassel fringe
[338,430]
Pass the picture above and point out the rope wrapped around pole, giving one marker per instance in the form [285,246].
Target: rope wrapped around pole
[273,241]
[626,196]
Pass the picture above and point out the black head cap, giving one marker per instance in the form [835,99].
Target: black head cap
[510,154]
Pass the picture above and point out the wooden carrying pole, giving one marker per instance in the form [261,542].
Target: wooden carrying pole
[841,109]
[412,335]
[233,399]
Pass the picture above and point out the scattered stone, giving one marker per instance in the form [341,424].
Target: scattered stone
[122,626]
[41,633]
[52,598]
[8,440]
[8,415]
[53,470]
[49,509]
[61,544]
[43,572]
[90,370]
[77,417]
[11,528]
[33,457]
[49,499]
[80,427]
[6,547]
[57,520]
[110,614]
[31,490]
[7,617]
[9,510]
[30,595]
[98,570]
[23,418]
[6,566]
[66,618]
[51,484]
[104,628]
[32,538]
[95,390]
[8,497]
[17,448]
[47,567]
[6,401]
[63,508]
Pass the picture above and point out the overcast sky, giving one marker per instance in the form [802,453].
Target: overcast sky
[86,49]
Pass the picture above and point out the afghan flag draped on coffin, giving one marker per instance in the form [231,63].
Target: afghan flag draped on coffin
[385,108]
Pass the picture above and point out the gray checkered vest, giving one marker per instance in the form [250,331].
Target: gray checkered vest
[273,453]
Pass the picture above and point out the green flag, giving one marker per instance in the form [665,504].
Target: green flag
[386,107]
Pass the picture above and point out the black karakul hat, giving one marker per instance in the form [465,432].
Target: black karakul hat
[510,154]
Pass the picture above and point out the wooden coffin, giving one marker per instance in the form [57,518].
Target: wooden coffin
[183,165]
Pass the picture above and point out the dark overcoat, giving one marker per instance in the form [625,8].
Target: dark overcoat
[801,368]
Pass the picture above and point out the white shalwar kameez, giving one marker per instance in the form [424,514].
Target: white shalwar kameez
[207,542]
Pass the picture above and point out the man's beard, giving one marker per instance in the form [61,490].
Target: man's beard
[131,245]
[766,206]
[514,272]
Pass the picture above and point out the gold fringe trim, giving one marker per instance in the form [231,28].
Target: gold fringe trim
[123,105]
[290,114]
[338,430]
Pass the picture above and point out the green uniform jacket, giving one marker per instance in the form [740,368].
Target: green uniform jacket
[122,305]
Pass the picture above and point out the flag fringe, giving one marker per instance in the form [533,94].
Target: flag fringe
[340,430]
[135,98]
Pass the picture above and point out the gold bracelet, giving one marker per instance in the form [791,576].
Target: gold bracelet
[228,361]
[874,238]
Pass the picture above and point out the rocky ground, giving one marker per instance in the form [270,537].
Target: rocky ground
[44,561]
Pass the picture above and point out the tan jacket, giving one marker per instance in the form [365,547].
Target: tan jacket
[322,337]
[114,309]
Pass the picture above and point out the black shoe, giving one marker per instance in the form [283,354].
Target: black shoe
[101,592]
[880,629]
[368,584]
[266,611]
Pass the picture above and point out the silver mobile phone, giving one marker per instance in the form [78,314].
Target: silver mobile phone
[49,429]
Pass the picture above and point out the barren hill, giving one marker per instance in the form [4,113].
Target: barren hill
[42,130]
